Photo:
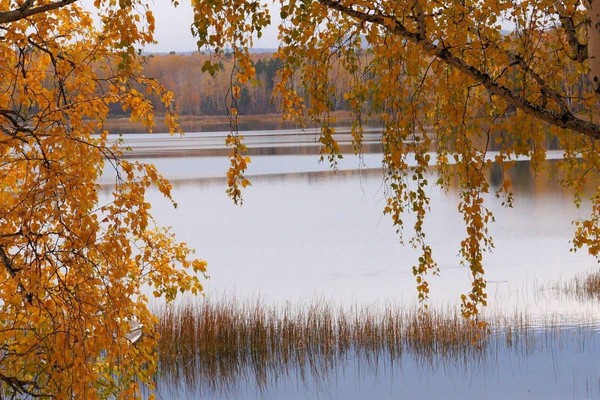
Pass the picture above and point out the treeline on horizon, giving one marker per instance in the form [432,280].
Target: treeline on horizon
[197,93]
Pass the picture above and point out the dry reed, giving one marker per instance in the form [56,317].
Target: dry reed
[220,342]
[216,345]
[582,287]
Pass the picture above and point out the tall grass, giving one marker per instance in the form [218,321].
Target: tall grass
[588,285]
[214,345]
[582,287]
[219,342]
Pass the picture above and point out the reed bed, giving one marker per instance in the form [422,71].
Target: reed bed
[219,342]
[214,345]
[589,285]
[582,287]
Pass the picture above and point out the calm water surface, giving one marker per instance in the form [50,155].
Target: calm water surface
[304,233]
[557,366]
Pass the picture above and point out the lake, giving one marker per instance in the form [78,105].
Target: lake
[306,234]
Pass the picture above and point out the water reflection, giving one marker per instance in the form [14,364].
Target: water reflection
[544,370]
[259,353]
[305,232]
[258,142]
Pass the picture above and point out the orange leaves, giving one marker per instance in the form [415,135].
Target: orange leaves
[238,163]
[477,242]
[199,265]
[150,19]
[587,232]
[165,263]
[244,67]
[72,270]
[330,146]
[235,91]
[221,24]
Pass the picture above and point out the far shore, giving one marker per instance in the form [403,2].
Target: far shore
[217,123]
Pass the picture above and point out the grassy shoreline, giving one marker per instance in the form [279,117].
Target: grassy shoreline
[214,344]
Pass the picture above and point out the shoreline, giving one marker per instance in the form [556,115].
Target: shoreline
[218,123]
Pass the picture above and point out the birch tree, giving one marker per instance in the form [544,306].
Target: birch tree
[447,80]
[72,269]
[443,78]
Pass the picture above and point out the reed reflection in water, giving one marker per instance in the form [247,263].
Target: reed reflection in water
[228,349]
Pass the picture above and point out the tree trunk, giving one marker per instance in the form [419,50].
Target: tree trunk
[593,10]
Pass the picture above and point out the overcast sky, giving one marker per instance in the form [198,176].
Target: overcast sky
[173,29]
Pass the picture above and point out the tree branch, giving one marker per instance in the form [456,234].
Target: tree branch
[12,117]
[564,119]
[21,386]
[7,263]
[15,15]
[580,50]
[13,273]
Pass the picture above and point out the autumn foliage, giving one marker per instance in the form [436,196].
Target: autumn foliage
[197,93]
[447,82]
[75,274]
[442,79]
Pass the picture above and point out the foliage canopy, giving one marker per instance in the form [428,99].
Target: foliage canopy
[444,80]
[73,270]
[448,84]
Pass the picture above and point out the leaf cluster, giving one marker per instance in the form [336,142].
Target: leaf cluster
[74,267]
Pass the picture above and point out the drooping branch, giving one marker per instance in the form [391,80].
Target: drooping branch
[24,12]
[564,119]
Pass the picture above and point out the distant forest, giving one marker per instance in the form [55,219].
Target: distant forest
[198,93]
